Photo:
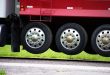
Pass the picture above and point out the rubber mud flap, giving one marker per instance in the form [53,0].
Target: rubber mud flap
[15,38]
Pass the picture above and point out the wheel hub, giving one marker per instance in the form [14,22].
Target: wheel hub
[103,40]
[70,39]
[35,37]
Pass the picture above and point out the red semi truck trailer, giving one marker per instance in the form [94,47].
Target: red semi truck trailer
[68,26]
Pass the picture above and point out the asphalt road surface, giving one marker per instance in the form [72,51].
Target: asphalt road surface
[53,67]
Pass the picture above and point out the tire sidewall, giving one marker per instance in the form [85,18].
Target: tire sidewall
[48,37]
[93,40]
[83,38]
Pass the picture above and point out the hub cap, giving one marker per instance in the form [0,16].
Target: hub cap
[35,37]
[70,39]
[103,40]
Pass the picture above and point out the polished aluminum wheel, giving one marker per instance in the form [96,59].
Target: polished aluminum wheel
[103,40]
[70,39]
[35,37]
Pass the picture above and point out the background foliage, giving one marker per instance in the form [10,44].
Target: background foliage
[6,52]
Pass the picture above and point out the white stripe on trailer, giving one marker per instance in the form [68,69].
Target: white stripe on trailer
[29,6]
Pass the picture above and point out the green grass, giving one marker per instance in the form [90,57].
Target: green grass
[6,52]
[2,72]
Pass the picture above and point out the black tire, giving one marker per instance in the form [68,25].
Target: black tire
[53,47]
[83,39]
[93,40]
[48,38]
[88,48]
[3,34]
[54,29]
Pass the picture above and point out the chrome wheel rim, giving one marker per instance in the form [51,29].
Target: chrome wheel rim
[70,39]
[35,38]
[103,40]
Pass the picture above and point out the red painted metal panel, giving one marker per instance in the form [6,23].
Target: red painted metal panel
[80,8]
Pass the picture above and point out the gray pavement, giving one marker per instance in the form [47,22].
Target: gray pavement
[51,67]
